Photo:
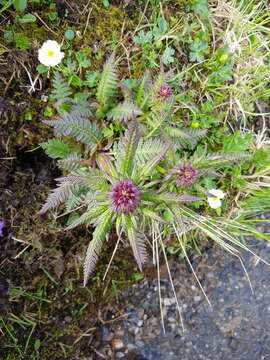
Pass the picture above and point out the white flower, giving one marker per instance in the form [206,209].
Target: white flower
[50,53]
[214,200]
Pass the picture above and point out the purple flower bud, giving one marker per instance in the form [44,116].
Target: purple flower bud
[186,175]
[125,196]
[2,225]
[165,92]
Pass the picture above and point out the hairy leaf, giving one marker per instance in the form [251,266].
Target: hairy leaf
[94,212]
[125,111]
[61,91]
[136,241]
[108,82]
[147,149]
[126,149]
[150,165]
[71,163]
[218,159]
[77,126]
[58,196]
[95,246]
[171,197]
[185,136]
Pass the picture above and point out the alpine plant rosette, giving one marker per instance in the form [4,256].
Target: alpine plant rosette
[125,197]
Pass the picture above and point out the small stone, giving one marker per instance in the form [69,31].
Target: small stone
[140,313]
[197,298]
[169,301]
[68,319]
[120,333]
[117,344]
[44,98]
[140,323]
[119,355]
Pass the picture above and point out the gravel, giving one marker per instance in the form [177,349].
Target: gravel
[235,326]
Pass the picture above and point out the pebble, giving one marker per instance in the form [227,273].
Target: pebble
[119,355]
[169,301]
[117,344]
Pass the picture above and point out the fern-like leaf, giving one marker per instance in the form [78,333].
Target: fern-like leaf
[219,159]
[125,111]
[61,91]
[185,136]
[108,83]
[136,241]
[126,149]
[147,149]
[86,218]
[175,198]
[57,197]
[90,179]
[150,165]
[79,127]
[95,246]
[70,163]
[144,90]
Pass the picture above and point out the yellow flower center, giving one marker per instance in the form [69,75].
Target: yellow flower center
[50,53]
[215,199]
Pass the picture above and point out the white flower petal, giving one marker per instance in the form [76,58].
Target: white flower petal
[50,53]
[214,202]
[218,193]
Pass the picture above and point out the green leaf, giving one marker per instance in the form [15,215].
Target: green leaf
[22,41]
[8,36]
[27,18]
[200,7]
[20,5]
[42,69]
[82,58]
[70,34]
[57,149]
[92,78]
[143,38]
[137,276]
[37,344]
[237,142]
[167,57]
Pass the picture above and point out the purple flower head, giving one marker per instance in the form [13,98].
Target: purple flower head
[125,196]
[186,175]
[165,91]
[2,225]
